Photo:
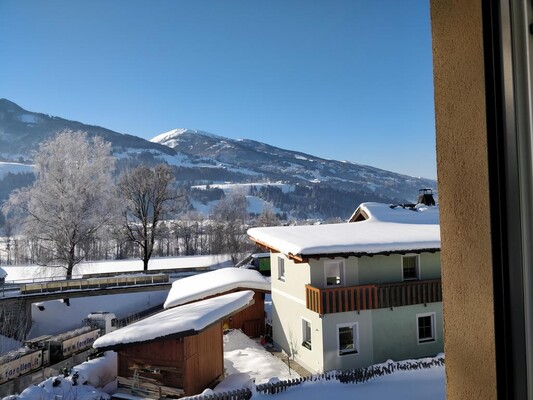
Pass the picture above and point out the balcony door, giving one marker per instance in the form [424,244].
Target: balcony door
[334,273]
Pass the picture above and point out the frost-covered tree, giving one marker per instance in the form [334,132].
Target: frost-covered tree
[268,217]
[70,201]
[229,233]
[148,195]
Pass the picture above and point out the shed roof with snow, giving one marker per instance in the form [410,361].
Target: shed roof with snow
[177,322]
[386,231]
[3,273]
[208,284]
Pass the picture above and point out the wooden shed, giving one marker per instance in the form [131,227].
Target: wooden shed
[220,282]
[251,320]
[178,352]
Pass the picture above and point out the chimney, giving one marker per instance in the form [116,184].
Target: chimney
[425,196]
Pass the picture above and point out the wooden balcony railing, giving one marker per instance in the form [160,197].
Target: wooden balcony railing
[371,297]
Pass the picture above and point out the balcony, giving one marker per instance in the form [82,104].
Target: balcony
[371,297]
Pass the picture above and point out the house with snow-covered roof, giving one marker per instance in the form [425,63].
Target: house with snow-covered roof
[353,294]
[250,320]
[176,352]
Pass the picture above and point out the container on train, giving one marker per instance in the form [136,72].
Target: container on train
[19,362]
[68,343]
[47,349]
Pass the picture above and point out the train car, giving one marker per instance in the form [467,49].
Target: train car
[20,362]
[104,320]
[66,344]
[47,349]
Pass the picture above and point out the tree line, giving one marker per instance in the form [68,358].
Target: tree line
[79,209]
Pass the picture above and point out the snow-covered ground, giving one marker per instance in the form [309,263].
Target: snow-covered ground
[55,316]
[244,355]
[246,361]
[15,273]
[240,187]
[14,168]
[7,344]
[256,205]
[402,385]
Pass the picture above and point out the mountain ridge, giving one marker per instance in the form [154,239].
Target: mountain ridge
[21,131]
[324,188]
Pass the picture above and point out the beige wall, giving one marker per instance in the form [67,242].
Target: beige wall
[464,202]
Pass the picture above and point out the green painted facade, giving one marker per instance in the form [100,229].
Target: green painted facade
[382,334]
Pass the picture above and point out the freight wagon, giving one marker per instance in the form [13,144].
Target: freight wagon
[45,350]
[20,362]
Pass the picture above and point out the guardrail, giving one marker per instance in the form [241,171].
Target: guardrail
[93,283]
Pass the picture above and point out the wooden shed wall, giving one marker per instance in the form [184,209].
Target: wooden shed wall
[251,320]
[190,363]
[166,355]
[204,361]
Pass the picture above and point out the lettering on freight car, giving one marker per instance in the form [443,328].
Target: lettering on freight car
[20,366]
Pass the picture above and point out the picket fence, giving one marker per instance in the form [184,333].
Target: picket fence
[358,375]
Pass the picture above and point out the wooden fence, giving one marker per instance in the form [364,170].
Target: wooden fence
[355,376]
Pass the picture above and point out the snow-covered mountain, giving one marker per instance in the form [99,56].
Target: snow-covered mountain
[260,161]
[21,131]
[320,188]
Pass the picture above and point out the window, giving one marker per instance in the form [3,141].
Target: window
[281,269]
[334,271]
[425,327]
[410,267]
[306,333]
[348,339]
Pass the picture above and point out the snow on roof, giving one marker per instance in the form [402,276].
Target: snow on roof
[3,273]
[204,285]
[386,231]
[419,214]
[179,321]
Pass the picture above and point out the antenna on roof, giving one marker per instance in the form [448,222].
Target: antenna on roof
[425,196]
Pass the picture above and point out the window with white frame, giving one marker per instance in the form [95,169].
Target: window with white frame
[348,339]
[425,324]
[334,273]
[306,333]
[410,264]
[281,269]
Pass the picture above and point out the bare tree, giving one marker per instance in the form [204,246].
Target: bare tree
[70,201]
[148,195]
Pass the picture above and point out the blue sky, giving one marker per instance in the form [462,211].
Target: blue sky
[341,79]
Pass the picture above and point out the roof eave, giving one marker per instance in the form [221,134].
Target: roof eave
[306,257]
[176,335]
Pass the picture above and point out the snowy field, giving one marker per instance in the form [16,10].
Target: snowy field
[14,168]
[256,205]
[16,273]
[245,187]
